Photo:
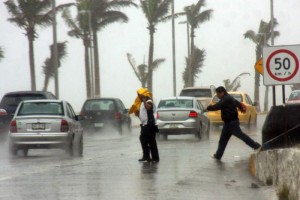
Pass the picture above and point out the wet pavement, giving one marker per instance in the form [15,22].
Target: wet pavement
[109,170]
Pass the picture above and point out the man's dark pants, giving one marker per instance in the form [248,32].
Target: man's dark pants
[229,129]
[148,142]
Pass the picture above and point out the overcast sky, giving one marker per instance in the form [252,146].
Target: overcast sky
[228,53]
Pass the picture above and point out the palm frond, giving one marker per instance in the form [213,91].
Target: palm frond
[111,17]
[157,62]
[1,53]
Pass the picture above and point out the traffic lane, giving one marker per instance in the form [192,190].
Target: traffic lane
[109,169]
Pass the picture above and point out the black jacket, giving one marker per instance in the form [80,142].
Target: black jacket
[228,106]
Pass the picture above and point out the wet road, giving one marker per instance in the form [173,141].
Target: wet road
[109,170]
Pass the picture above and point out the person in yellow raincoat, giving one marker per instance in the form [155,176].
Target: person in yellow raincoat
[144,108]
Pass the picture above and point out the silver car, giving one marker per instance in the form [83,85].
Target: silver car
[39,124]
[182,115]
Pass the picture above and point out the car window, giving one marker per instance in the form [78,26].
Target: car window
[238,97]
[199,104]
[104,105]
[294,96]
[15,99]
[249,101]
[70,111]
[41,108]
[196,93]
[176,103]
[120,105]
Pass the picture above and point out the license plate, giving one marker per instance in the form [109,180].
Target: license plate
[173,125]
[38,126]
[98,125]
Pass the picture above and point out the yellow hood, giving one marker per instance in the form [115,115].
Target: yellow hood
[137,103]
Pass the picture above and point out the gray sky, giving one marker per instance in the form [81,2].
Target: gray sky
[228,53]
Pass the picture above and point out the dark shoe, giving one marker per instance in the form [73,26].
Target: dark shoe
[144,159]
[258,147]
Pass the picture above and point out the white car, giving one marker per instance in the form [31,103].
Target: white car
[43,124]
[294,97]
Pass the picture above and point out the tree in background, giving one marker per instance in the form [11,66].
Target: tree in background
[103,13]
[235,84]
[1,53]
[28,15]
[195,63]
[261,39]
[48,67]
[141,71]
[155,11]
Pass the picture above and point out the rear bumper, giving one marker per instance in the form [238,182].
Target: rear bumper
[178,127]
[38,140]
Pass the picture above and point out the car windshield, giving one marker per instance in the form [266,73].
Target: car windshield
[104,105]
[15,99]
[41,108]
[176,103]
[294,96]
[196,93]
[238,97]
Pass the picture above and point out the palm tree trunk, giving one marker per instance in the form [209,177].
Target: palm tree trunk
[266,102]
[31,62]
[150,59]
[256,82]
[87,69]
[46,83]
[190,73]
[96,64]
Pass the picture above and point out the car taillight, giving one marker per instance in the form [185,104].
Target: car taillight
[3,112]
[193,114]
[13,126]
[64,126]
[118,116]
[157,115]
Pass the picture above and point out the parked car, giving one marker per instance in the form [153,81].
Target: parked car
[105,113]
[249,118]
[10,102]
[39,124]
[182,115]
[203,94]
[294,97]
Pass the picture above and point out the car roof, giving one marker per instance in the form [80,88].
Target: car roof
[197,87]
[179,97]
[103,98]
[236,92]
[28,92]
[44,100]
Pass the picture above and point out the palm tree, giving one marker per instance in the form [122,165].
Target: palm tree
[48,67]
[193,65]
[261,39]
[141,70]
[235,84]
[104,13]
[28,15]
[1,53]
[155,12]
[80,29]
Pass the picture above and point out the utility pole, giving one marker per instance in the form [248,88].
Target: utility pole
[55,56]
[173,49]
[272,43]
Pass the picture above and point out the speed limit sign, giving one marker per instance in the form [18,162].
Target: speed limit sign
[281,65]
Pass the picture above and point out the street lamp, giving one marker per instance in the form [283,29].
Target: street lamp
[91,49]
[173,50]
[55,54]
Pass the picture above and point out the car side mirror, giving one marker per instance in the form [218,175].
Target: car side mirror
[79,117]
[126,110]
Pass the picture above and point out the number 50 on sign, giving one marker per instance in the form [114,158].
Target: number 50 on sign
[281,65]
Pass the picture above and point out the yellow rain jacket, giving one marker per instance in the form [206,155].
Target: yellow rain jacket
[137,103]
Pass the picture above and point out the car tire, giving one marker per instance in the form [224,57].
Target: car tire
[80,147]
[25,152]
[198,134]
[69,148]
[165,136]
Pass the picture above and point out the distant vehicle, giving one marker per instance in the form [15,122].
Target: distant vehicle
[40,124]
[294,97]
[10,102]
[249,118]
[182,115]
[203,94]
[105,113]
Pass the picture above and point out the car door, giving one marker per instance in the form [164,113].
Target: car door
[74,124]
[202,116]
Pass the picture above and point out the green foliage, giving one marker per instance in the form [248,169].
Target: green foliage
[195,63]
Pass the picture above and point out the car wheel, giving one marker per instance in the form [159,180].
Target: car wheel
[198,134]
[69,148]
[13,149]
[208,131]
[120,129]
[25,152]
[165,136]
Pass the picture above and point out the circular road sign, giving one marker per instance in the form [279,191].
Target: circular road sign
[282,65]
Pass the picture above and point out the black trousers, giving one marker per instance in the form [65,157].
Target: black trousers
[148,142]
[229,129]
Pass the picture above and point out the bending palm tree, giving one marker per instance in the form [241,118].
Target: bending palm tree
[104,13]
[48,67]
[260,39]
[235,84]
[141,70]
[155,11]
[80,29]
[28,15]
[193,65]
